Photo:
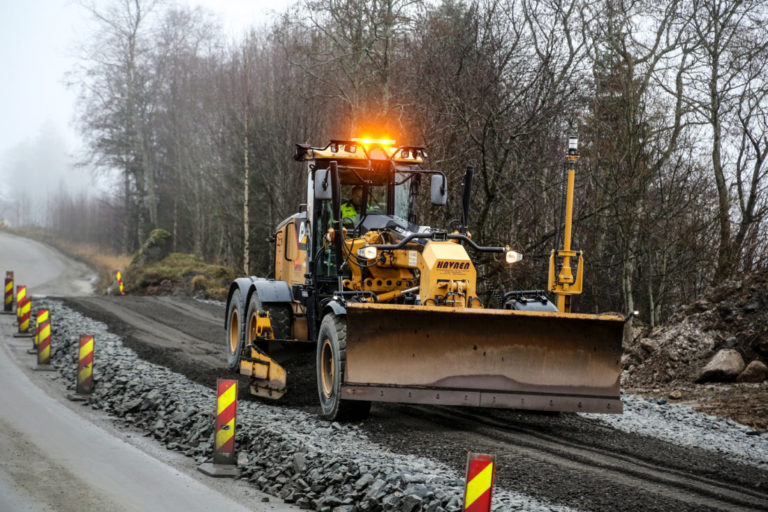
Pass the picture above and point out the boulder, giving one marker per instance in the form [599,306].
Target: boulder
[156,248]
[725,366]
[650,345]
[675,394]
[762,345]
[755,371]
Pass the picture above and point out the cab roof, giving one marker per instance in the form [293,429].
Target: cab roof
[363,150]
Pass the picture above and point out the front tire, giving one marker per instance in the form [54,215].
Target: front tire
[330,367]
[235,337]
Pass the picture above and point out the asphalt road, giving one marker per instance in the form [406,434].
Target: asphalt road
[43,269]
[60,456]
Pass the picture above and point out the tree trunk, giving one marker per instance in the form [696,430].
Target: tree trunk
[246,227]
[724,251]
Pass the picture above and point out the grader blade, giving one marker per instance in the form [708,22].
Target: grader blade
[483,358]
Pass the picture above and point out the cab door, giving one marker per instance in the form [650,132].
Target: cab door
[291,251]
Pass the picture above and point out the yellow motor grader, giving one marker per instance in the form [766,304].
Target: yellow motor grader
[392,305]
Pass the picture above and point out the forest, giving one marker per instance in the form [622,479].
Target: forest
[669,100]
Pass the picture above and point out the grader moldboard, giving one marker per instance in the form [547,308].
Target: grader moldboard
[392,305]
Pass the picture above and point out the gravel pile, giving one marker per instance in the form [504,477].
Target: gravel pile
[682,425]
[286,453]
[731,316]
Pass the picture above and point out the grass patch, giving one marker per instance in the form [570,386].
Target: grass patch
[180,274]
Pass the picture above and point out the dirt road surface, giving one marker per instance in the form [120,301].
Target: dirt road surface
[60,456]
[564,458]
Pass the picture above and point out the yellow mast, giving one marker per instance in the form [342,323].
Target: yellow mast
[565,285]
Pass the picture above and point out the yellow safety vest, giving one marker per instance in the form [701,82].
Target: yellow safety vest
[348,210]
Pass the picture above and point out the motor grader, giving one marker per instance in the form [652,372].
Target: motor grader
[392,305]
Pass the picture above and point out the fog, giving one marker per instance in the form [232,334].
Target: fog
[37,170]
[40,146]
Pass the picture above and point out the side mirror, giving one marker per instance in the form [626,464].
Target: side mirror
[323,189]
[439,190]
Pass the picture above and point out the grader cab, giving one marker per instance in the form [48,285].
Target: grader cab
[392,305]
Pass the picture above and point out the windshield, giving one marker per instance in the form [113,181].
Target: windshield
[402,195]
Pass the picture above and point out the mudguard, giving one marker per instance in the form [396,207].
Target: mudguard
[268,290]
[334,307]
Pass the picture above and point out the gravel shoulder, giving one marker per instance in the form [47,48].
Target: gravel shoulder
[62,456]
[564,459]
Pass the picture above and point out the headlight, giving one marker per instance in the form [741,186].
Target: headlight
[368,252]
[513,257]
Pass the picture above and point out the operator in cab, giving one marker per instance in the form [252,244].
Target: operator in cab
[351,208]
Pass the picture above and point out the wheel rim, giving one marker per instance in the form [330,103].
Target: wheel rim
[251,328]
[234,330]
[327,368]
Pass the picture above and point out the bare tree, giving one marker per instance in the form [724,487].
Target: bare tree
[728,97]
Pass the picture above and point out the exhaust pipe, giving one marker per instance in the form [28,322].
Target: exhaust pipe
[466,199]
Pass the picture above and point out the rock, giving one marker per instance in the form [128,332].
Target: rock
[751,307]
[725,366]
[418,490]
[363,481]
[131,404]
[650,345]
[157,247]
[676,394]
[755,371]
[330,501]
[411,503]
[242,459]
[299,462]
[762,345]
[376,489]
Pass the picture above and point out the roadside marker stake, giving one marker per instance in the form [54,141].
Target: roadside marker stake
[119,278]
[481,471]
[224,446]
[84,369]
[21,294]
[42,316]
[24,309]
[8,304]
[44,347]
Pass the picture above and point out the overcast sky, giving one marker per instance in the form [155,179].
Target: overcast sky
[39,44]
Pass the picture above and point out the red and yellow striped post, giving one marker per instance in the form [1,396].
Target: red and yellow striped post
[119,278]
[44,342]
[8,304]
[21,294]
[42,317]
[481,469]
[85,366]
[25,312]
[224,435]
[226,410]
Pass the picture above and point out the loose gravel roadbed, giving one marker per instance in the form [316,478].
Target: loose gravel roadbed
[571,460]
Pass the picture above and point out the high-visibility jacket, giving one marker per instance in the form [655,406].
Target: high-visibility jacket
[348,210]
